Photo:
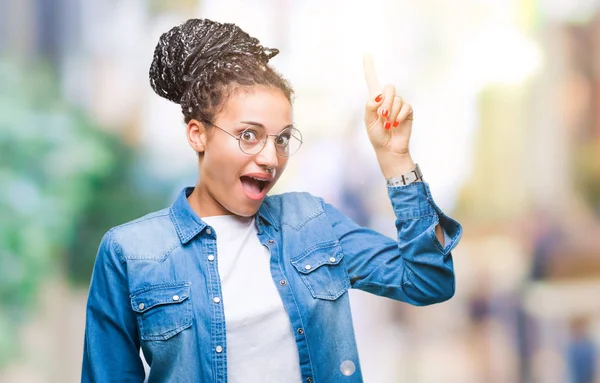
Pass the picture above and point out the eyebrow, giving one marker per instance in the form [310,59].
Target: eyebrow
[262,126]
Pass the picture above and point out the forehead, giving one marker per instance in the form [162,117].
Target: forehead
[268,106]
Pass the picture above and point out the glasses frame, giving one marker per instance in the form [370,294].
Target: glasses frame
[264,143]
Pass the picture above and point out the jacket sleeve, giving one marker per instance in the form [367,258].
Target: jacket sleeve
[416,268]
[111,345]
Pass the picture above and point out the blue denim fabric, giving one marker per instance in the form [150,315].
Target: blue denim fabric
[153,285]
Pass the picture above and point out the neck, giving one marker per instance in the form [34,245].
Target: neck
[204,204]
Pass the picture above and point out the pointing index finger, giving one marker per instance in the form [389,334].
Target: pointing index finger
[370,75]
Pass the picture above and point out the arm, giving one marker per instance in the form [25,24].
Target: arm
[111,346]
[392,165]
[416,268]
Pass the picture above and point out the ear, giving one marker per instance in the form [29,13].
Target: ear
[197,135]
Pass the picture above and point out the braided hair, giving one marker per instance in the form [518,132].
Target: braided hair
[199,63]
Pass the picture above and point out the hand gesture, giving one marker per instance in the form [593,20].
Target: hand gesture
[387,117]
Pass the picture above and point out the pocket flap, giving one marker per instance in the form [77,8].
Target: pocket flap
[329,253]
[152,296]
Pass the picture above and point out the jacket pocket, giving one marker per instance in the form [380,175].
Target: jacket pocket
[322,270]
[163,310]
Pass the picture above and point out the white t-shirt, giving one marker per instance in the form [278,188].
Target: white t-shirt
[260,340]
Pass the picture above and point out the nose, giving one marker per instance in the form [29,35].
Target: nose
[268,156]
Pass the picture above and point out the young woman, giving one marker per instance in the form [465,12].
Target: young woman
[231,285]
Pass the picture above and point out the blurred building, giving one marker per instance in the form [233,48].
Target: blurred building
[535,185]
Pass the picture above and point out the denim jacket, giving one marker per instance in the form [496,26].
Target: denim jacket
[155,280]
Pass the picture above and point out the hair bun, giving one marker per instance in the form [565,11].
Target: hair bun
[166,76]
[192,51]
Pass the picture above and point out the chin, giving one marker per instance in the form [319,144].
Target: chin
[246,211]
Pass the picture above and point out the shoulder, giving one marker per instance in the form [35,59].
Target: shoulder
[146,236]
[294,208]
[150,221]
[290,200]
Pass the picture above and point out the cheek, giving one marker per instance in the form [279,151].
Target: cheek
[222,169]
[283,161]
[220,166]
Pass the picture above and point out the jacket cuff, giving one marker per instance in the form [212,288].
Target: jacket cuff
[414,201]
[411,201]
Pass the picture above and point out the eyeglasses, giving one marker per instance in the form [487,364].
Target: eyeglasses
[253,140]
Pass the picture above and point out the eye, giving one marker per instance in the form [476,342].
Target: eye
[249,135]
[283,139]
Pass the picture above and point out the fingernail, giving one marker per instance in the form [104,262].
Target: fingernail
[385,112]
[379,98]
[396,123]
[388,125]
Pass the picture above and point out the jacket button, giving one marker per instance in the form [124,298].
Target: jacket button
[219,349]
[216,299]
[141,306]
[208,231]
[300,331]
[282,282]
[211,257]
[347,368]
[271,241]
[332,259]
[175,297]
[309,380]
[308,267]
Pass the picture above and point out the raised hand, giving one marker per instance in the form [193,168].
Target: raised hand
[389,123]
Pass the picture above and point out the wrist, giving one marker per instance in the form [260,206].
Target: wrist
[394,164]
[412,176]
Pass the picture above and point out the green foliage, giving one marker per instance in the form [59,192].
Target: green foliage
[63,183]
[587,173]
[126,193]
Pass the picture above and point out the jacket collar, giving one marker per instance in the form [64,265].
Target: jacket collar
[265,212]
[188,224]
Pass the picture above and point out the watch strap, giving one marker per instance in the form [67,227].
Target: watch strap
[414,175]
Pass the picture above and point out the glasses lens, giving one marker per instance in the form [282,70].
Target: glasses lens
[288,141]
[252,140]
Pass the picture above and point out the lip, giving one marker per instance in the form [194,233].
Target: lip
[261,176]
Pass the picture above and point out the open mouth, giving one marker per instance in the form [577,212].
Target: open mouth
[255,188]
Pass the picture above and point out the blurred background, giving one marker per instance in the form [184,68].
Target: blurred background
[507,131]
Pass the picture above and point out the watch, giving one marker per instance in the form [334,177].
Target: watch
[414,175]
